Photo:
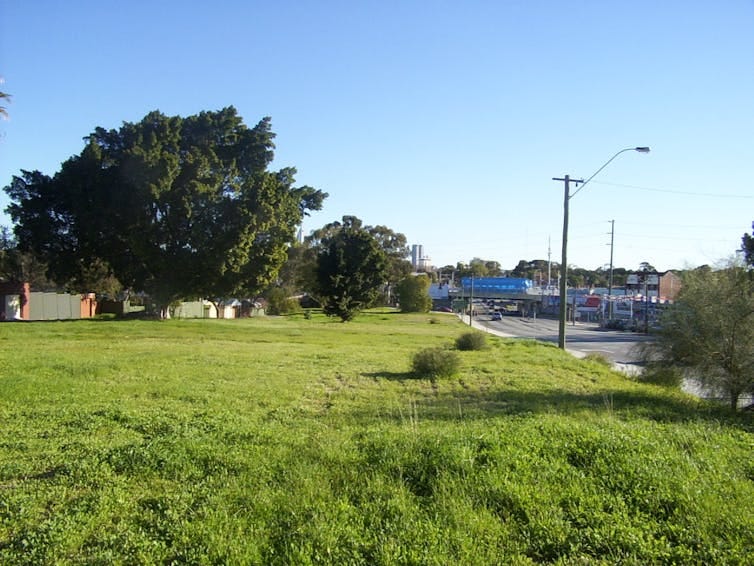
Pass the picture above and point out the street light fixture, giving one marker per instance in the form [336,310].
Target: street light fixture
[564,259]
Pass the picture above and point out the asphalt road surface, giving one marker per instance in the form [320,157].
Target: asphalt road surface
[581,339]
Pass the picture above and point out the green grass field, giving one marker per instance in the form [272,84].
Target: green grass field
[294,441]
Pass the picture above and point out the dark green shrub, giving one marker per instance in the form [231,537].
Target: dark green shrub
[279,302]
[471,341]
[661,375]
[435,362]
[413,294]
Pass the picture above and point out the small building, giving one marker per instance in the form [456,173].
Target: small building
[230,308]
[14,301]
[194,309]
[18,302]
[664,286]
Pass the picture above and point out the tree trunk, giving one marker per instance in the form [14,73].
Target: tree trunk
[216,304]
[734,400]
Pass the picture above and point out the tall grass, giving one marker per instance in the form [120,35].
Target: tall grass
[304,441]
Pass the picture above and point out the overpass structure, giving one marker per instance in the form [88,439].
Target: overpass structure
[527,297]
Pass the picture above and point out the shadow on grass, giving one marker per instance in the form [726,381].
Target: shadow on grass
[371,315]
[465,405]
[393,375]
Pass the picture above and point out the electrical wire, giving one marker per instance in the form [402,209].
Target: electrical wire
[674,191]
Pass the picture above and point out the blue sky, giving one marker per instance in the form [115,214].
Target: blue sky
[445,121]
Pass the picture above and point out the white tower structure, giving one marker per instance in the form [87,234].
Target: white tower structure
[419,261]
[417,253]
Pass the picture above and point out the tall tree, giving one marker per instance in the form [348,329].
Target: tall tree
[18,266]
[493,268]
[477,268]
[392,243]
[396,249]
[351,270]
[620,274]
[580,277]
[176,207]
[10,258]
[747,247]
[521,269]
[536,269]
[709,332]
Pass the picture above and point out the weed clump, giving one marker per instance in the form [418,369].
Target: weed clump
[435,363]
[598,358]
[471,341]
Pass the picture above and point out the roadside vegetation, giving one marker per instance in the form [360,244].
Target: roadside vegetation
[300,440]
[708,334]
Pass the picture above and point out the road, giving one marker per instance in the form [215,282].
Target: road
[581,339]
[585,338]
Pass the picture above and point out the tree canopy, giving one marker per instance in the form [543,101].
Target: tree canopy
[393,244]
[175,207]
[351,269]
[21,267]
[708,333]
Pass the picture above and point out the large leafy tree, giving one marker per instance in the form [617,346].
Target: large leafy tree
[10,265]
[17,266]
[395,246]
[299,271]
[176,207]
[708,333]
[477,267]
[351,270]
[646,267]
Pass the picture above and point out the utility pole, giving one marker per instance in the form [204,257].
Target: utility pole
[549,264]
[646,303]
[564,265]
[564,261]
[610,280]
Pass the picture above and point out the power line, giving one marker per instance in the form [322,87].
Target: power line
[668,237]
[694,226]
[674,191]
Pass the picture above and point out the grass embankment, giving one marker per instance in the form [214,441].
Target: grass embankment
[293,441]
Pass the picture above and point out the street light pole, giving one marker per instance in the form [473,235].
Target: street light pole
[564,252]
[610,280]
